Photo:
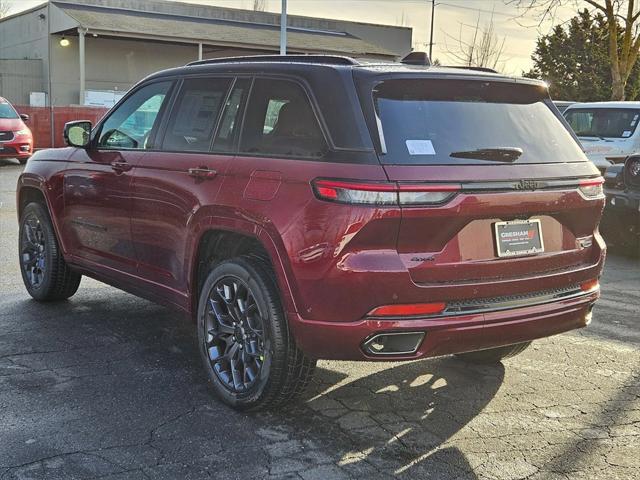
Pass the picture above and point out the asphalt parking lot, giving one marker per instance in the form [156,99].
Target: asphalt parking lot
[110,386]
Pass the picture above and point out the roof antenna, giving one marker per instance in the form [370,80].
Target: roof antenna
[417,58]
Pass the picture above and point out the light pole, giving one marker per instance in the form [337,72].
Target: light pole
[283,28]
[433,14]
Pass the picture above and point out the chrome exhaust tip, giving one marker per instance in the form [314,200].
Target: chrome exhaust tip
[393,343]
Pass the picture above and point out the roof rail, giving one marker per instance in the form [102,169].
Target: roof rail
[326,59]
[477,69]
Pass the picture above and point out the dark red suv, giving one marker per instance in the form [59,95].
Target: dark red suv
[316,207]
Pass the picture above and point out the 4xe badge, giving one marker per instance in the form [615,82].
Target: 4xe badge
[527,185]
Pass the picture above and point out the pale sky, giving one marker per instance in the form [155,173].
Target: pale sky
[452,17]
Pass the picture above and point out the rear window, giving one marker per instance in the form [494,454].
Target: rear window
[7,111]
[603,122]
[424,122]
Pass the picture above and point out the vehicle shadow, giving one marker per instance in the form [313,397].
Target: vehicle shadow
[110,359]
[398,420]
[6,162]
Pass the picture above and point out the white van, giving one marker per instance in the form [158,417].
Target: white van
[608,130]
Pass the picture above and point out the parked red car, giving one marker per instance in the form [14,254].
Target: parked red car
[16,140]
[308,207]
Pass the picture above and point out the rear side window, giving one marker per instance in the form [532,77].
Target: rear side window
[280,122]
[603,122]
[425,121]
[194,116]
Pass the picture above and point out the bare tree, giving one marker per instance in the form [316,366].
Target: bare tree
[5,6]
[623,23]
[260,5]
[484,48]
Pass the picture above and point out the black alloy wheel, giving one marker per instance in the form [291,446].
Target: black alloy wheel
[45,273]
[32,251]
[245,343]
[234,334]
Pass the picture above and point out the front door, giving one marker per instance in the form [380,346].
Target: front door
[97,185]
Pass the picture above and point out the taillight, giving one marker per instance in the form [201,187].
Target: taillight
[355,192]
[427,193]
[590,286]
[591,188]
[384,193]
[408,310]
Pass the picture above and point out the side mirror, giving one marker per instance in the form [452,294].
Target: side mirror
[78,133]
[25,117]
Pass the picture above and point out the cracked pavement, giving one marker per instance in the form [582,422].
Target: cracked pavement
[110,386]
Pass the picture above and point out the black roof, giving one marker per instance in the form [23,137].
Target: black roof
[318,65]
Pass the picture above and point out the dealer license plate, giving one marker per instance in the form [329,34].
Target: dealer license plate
[518,237]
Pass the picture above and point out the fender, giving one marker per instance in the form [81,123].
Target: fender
[272,245]
[47,189]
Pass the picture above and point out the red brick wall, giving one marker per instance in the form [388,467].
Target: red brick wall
[40,121]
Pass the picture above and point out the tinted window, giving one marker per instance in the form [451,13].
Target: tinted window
[229,125]
[195,114]
[469,122]
[7,111]
[281,122]
[603,122]
[132,123]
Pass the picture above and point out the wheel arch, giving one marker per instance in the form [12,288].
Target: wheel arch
[29,194]
[33,188]
[225,238]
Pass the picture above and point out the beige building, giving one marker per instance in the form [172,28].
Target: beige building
[89,52]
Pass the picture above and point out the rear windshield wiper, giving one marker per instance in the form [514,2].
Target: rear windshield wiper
[502,154]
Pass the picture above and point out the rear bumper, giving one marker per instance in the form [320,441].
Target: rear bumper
[444,335]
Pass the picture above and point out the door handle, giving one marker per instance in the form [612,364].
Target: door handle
[120,166]
[202,172]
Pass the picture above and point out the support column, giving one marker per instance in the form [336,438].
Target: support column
[200,51]
[283,28]
[81,34]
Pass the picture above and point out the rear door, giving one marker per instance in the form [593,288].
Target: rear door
[489,180]
[179,175]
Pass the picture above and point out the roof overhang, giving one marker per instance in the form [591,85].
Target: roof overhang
[142,25]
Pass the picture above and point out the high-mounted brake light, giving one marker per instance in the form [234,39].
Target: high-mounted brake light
[591,188]
[384,193]
[408,310]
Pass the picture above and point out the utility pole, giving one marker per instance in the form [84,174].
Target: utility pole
[283,28]
[433,14]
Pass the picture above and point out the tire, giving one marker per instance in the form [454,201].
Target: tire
[240,296]
[23,161]
[493,355]
[45,274]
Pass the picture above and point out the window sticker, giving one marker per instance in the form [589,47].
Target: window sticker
[420,147]
[626,134]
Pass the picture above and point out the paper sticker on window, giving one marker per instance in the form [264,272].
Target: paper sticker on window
[420,147]
[626,133]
